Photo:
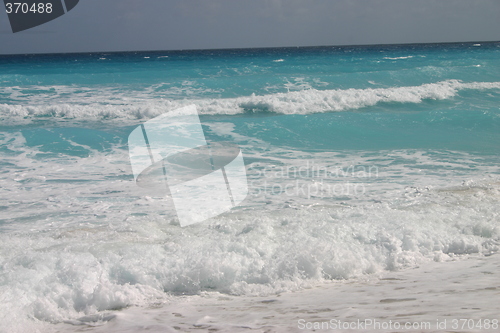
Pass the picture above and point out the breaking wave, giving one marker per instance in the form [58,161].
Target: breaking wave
[307,101]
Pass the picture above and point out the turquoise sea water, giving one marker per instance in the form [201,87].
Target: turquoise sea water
[359,159]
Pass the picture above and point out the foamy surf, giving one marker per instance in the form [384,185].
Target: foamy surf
[74,257]
[296,102]
[408,297]
[359,168]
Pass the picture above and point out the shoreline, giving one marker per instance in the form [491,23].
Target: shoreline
[437,294]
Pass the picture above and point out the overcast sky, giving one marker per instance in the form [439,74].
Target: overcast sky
[132,25]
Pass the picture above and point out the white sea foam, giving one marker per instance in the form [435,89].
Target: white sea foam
[417,298]
[87,104]
[72,270]
[80,238]
[397,58]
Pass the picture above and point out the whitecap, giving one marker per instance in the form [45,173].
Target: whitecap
[112,105]
[397,58]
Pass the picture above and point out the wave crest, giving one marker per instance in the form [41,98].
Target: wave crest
[296,102]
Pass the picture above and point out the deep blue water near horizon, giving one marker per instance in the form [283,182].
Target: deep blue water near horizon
[409,136]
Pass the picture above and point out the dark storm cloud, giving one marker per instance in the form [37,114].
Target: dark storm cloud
[115,25]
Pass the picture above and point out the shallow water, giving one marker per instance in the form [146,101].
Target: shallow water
[359,160]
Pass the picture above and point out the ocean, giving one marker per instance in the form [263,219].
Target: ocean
[360,160]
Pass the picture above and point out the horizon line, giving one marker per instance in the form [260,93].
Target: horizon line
[244,48]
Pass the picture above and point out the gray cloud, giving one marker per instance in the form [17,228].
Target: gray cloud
[126,25]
